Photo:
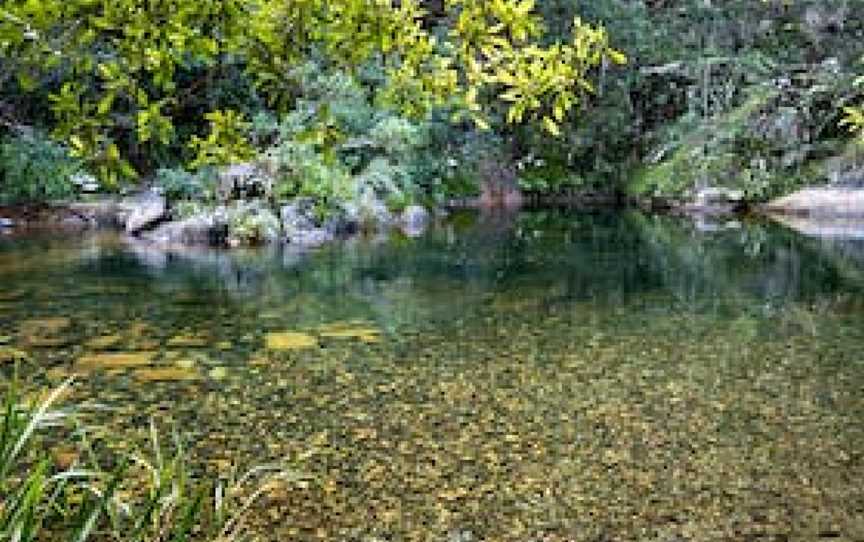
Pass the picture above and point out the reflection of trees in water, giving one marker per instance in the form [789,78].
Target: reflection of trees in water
[542,259]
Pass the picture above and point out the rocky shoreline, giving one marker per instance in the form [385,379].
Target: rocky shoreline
[149,217]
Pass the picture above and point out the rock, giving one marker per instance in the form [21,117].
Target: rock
[415,216]
[143,211]
[74,221]
[716,201]
[115,360]
[718,196]
[165,374]
[344,221]
[297,215]
[199,229]
[185,340]
[821,202]
[375,214]
[289,340]
[414,220]
[310,238]
[823,17]
[105,212]
[104,342]
[6,222]
[86,183]
[300,226]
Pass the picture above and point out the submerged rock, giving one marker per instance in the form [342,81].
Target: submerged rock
[104,342]
[187,341]
[165,374]
[45,332]
[218,373]
[50,325]
[115,360]
[289,340]
[363,333]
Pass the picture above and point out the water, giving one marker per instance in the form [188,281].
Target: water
[551,376]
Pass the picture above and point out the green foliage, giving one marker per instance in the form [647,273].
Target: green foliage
[546,176]
[252,225]
[151,496]
[336,147]
[226,143]
[304,172]
[133,89]
[30,493]
[774,139]
[122,75]
[35,169]
[179,184]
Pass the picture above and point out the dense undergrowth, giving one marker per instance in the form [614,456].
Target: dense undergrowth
[745,95]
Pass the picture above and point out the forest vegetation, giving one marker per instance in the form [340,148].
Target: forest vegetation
[422,101]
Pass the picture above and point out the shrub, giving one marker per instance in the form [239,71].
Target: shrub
[180,185]
[35,169]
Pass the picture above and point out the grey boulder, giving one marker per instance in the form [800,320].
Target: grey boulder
[144,211]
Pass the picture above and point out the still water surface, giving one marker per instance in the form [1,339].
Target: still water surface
[549,376]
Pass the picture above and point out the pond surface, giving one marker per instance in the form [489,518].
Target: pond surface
[549,376]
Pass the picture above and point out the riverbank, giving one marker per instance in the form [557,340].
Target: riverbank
[150,218]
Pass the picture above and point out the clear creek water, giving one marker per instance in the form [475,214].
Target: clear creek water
[548,376]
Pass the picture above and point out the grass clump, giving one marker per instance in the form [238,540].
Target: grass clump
[148,496]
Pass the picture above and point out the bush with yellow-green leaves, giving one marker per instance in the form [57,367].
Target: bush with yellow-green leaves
[124,76]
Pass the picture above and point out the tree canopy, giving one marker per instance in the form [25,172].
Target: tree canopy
[120,72]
